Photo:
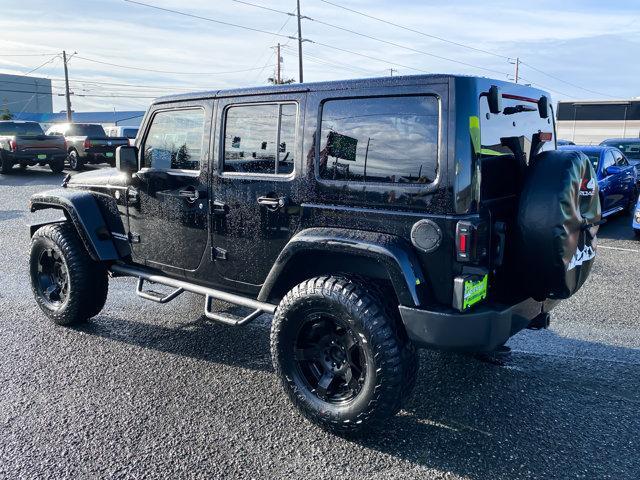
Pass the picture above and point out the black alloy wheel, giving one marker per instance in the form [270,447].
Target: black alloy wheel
[52,278]
[329,360]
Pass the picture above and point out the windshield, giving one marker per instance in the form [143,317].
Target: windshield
[631,149]
[26,129]
[86,131]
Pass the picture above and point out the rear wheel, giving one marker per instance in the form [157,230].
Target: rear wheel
[68,285]
[57,166]
[338,355]
[74,160]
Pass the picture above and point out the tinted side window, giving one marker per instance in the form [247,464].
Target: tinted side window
[380,140]
[607,161]
[260,138]
[174,140]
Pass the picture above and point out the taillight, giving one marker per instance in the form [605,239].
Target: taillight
[87,143]
[13,145]
[471,241]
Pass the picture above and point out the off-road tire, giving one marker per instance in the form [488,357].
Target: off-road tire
[88,282]
[57,166]
[5,165]
[382,392]
[75,163]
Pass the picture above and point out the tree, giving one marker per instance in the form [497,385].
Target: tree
[5,114]
[274,81]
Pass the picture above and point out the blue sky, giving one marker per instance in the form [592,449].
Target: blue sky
[586,49]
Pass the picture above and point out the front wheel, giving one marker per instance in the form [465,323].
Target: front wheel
[68,285]
[74,160]
[338,355]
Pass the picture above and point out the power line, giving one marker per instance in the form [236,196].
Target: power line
[162,71]
[398,45]
[25,54]
[416,31]
[265,8]
[258,30]
[564,81]
[42,65]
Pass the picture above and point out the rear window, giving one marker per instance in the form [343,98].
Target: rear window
[86,131]
[380,139]
[514,128]
[26,129]
[129,132]
[594,158]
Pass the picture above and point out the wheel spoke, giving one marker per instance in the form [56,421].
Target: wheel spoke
[325,382]
[307,354]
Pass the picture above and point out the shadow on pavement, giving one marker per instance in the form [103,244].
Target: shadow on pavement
[618,227]
[535,415]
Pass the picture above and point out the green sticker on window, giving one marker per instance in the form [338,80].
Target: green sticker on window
[474,291]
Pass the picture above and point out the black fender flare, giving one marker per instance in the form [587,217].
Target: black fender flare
[98,234]
[394,254]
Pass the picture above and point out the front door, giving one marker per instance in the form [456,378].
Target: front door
[254,209]
[168,205]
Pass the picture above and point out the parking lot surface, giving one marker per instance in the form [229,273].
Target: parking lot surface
[156,391]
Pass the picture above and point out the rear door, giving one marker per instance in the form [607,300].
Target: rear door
[258,159]
[168,205]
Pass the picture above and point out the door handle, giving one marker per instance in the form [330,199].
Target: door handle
[190,194]
[219,208]
[272,203]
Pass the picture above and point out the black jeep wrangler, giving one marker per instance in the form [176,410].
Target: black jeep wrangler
[372,217]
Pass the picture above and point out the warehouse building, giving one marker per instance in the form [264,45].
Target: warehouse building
[25,94]
[591,122]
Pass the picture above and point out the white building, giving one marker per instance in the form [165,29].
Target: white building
[25,94]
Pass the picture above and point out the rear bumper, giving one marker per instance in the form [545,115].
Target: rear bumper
[482,329]
[32,157]
[99,156]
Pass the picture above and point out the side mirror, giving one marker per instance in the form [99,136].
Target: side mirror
[613,170]
[543,107]
[495,99]
[127,159]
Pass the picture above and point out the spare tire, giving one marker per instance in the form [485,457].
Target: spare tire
[557,224]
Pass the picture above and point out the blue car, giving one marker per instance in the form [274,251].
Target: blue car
[630,147]
[635,223]
[617,178]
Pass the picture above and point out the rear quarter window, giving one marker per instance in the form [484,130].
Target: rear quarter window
[390,139]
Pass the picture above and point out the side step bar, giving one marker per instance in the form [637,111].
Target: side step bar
[181,286]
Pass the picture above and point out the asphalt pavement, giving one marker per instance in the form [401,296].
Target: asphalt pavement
[156,391]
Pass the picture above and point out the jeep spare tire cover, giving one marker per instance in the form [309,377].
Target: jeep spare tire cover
[559,207]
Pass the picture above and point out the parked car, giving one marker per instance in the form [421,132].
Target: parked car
[373,217]
[120,131]
[635,223]
[561,142]
[630,147]
[617,178]
[87,143]
[25,144]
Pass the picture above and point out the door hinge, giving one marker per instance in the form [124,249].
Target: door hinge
[220,253]
[134,237]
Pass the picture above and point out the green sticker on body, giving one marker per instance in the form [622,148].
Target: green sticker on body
[474,291]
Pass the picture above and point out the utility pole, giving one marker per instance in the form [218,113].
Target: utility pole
[517,69]
[278,77]
[300,77]
[391,70]
[66,86]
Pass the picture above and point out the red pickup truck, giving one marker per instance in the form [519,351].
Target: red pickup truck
[25,144]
